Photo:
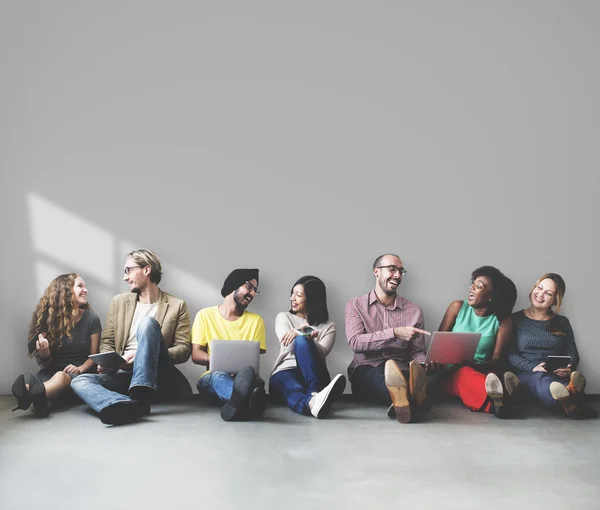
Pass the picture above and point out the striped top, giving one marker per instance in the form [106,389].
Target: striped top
[532,343]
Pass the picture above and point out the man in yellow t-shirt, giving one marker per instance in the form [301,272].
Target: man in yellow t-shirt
[244,394]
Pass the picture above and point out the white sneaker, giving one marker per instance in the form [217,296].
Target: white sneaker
[320,403]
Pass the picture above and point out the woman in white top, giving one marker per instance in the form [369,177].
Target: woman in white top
[306,336]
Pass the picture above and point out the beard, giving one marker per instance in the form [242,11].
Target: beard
[239,301]
[387,290]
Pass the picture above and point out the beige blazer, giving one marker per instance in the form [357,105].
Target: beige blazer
[171,314]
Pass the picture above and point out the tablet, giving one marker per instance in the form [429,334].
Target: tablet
[109,359]
[554,362]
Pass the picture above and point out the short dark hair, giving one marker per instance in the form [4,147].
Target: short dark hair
[378,259]
[316,299]
[504,291]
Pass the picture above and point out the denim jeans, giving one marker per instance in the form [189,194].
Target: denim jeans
[368,384]
[538,383]
[216,383]
[296,385]
[152,367]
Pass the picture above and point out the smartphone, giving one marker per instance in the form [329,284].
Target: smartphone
[305,331]
[31,343]
[554,362]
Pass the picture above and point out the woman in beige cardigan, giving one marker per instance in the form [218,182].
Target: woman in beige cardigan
[306,336]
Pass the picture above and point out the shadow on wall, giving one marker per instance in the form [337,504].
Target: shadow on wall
[96,254]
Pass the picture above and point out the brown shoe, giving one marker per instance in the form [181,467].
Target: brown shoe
[418,387]
[577,383]
[398,388]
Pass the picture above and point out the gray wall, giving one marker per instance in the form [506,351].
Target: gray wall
[302,138]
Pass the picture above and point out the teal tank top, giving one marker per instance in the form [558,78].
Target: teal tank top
[468,321]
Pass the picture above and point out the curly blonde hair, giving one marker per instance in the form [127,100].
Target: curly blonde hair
[57,311]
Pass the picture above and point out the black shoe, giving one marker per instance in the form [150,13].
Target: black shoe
[124,412]
[144,393]
[19,390]
[38,396]
[258,402]
[242,387]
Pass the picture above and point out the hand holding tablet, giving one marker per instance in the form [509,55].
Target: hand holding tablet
[555,362]
[109,359]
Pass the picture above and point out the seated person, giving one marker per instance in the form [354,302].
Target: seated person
[300,375]
[538,332]
[487,311]
[67,332]
[150,329]
[385,332]
[243,395]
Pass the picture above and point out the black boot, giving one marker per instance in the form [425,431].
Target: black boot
[20,391]
[38,396]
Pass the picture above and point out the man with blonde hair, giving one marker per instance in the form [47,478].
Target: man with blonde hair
[150,329]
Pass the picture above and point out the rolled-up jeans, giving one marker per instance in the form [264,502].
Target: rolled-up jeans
[219,384]
[152,367]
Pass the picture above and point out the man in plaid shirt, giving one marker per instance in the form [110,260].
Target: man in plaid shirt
[385,332]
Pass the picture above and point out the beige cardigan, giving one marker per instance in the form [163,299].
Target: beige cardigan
[323,341]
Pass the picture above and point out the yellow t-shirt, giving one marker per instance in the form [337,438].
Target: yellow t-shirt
[209,324]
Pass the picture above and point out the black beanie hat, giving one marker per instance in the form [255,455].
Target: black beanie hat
[237,278]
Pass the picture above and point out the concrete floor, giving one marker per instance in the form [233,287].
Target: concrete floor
[185,457]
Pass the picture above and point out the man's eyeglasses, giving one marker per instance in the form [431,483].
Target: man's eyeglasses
[127,270]
[251,287]
[393,269]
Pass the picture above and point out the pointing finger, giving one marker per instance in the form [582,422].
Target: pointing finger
[422,331]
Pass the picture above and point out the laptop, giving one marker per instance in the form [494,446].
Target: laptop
[449,347]
[232,355]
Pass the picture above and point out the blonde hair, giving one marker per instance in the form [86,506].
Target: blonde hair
[57,311]
[561,288]
[145,258]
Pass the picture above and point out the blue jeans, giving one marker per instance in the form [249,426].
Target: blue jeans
[296,385]
[538,383]
[216,383]
[152,367]
[368,384]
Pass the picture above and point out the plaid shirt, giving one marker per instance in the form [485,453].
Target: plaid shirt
[370,331]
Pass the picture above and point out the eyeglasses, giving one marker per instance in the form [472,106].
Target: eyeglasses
[251,287]
[393,269]
[127,270]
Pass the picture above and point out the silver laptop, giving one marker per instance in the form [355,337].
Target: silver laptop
[449,347]
[232,355]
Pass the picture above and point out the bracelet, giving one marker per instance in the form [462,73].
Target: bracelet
[43,360]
